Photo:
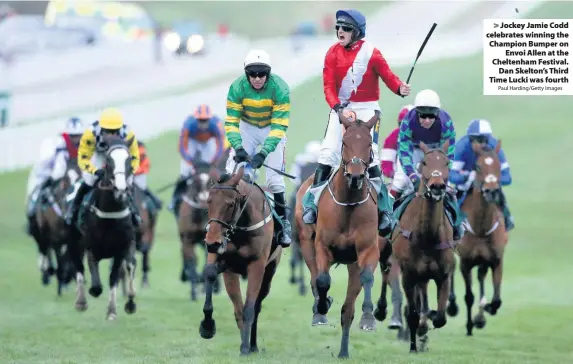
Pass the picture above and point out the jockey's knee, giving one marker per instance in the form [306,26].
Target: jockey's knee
[89,179]
[329,158]
[276,184]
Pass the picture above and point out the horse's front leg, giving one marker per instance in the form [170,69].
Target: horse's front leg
[129,265]
[386,267]
[413,315]
[96,287]
[480,320]
[190,264]
[355,279]
[453,308]
[322,282]
[497,275]
[367,261]
[443,287]
[255,274]
[466,270]
[207,328]
[117,262]
[233,287]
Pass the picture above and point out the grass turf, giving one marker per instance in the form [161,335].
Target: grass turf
[533,324]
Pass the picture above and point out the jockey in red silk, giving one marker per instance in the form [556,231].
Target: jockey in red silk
[352,69]
[430,124]
[390,149]
[203,137]
[463,170]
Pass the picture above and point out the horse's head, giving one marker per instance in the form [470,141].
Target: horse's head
[357,149]
[226,203]
[199,189]
[488,171]
[435,171]
[117,165]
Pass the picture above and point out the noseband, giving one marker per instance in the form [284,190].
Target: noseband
[427,192]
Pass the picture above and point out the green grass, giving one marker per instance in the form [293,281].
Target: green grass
[254,19]
[532,326]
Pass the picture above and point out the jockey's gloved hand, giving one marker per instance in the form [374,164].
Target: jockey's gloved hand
[100,173]
[241,155]
[257,160]
[415,179]
[337,108]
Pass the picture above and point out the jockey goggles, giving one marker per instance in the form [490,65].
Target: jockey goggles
[481,139]
[427,112]
[345,27]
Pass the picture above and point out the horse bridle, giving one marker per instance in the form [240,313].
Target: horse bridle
[355,160]
[427,193]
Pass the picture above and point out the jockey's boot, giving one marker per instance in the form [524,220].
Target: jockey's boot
[73,209]
[135,217]
[385,219]
[454,215]
[156,201]
[285,231]
[309,207]
[508,219]
[179,187]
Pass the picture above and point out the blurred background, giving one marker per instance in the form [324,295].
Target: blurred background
[157,60]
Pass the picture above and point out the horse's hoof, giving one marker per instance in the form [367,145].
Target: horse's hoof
[81,306]
[380,313]
[422,330]
[302,290]
[145,283]
[292,280]
[403,335]
[111,316]
[412,351]
[492,307]
[193,295]
[367,323]
[452,309]
[207,329]
[254,349]
[183,277]
[395,323]
[439,321]
[130,307]
[479,321]
[432,314]
[45,278]
[343,355]
[95,291]
[319,320]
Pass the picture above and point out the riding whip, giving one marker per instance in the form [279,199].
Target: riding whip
[421,49]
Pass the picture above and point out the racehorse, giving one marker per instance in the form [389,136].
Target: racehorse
[106,229]
[296,259]
[484,243]
[52,233]
[191,220]
[423,246]
[145,234]
[240,242]
[347,228]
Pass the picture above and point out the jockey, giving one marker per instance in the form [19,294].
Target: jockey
[53,162]
[258,110]
[202,136]
[463,167]
[91,158]
[431,124]
[140,176]
[350,77]
[390,149]
[305,163]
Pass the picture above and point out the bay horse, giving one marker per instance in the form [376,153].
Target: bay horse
[192,217]
[296,259]
[105,229]
[240,241]
[145,234]
[423,246]
[347,228]
[485,240]
[53,234]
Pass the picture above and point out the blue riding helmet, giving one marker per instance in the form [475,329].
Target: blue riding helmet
[354,18]
[478,127]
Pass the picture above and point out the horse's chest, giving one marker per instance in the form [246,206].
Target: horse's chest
[479,250]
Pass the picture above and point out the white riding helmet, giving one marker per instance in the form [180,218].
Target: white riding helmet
[427,98]
[258,57]
[74,126]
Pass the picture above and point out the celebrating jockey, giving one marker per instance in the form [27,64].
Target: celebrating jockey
[305,163]
[140,176]
[430,124]
[258,109]
[390,149]
[350,76]
[53,162]
[464,165]
[91,158]
[202,137]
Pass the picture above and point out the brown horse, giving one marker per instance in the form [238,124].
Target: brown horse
[53,234]
[239,242]
[192,217]
[347,228]
[145,234]
[484,243]
[423,246]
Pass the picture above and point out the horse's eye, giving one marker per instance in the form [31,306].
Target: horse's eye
[424,163]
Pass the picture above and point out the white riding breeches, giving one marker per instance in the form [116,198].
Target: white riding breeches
[206,152]
[141,181]
[254,137]
[401,182]
[332,144]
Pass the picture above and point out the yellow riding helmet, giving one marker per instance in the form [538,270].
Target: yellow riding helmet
[111,118]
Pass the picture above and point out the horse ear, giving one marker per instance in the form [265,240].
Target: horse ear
[445,146]
[234,181]
[373,120]
[498,146]
[424,147]
[343,119]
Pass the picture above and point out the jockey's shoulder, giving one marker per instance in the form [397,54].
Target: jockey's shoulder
[444,115]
